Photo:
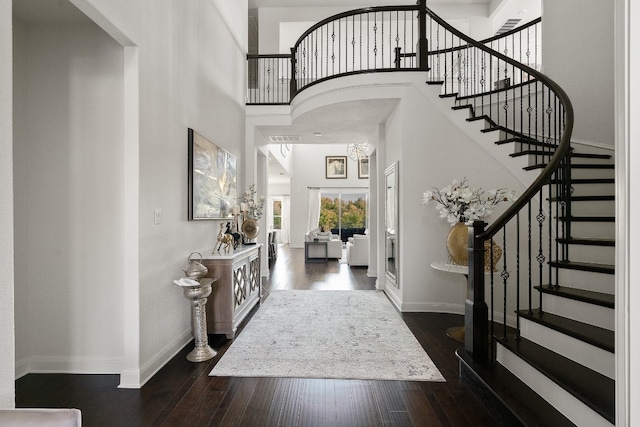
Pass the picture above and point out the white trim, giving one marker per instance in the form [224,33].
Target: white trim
[625,411]
[70,365]
[136,379]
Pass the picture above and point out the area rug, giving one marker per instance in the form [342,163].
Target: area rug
[327,334]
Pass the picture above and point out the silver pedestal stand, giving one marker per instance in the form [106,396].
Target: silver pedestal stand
[197,295]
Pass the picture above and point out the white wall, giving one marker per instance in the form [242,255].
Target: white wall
[190,60]
[69,208]
[309,171]
[578,53]
[7,332]
[433,151]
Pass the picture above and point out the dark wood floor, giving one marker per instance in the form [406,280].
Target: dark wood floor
[182,393]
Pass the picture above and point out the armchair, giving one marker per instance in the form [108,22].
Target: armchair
[358,250]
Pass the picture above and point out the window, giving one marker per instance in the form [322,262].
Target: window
[277,214]
[340,211]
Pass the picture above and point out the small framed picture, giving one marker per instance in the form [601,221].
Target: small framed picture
[336,167]
[363,168]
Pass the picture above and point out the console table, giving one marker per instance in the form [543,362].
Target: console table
[239,288]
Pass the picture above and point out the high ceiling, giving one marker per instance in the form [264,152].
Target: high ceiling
[351,3]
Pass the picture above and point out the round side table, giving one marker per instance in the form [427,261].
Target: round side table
[197,294]
[455,332]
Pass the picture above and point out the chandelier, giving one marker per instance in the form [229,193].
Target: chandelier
[357,151]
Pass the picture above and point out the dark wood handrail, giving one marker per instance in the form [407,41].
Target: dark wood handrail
[512,31]
[271,55]
[352,13]
[563,147]
[489,40]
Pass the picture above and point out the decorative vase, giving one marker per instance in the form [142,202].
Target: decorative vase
[457,244]
[458,248]
[250,229]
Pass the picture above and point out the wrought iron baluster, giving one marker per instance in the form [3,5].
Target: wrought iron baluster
[540,258]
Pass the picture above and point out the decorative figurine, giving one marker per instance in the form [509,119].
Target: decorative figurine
[224,239]
[237,237]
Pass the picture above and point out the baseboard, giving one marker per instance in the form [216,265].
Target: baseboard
[136,379]
[426,307]
[22,368]
[68,365]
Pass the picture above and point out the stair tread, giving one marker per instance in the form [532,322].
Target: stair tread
[588,198]
[525,404]
[520,140]
[597,298]
[592,388]
[588,241]
[593,166]
[594,335]
[584,266]
[581,166]
[587,218]
[532,153]
[462,107]
[435,82]
[587,181]
[591,155]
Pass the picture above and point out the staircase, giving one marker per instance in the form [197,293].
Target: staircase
[549,357]
[558,367]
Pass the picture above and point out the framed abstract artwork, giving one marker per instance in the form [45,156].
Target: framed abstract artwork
[212,179]
[336,167]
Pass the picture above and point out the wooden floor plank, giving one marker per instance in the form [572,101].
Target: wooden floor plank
[182,393]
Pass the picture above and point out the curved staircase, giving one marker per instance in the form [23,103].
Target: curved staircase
[541,347]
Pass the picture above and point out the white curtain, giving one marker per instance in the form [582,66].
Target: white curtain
[286,223]
[314,209]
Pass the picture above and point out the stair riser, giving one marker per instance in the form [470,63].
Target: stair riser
[586,253]
[592,173]
[585,354]
[567,404]
[593,229]
[597,282]
[589,189]
[593,208]
[575,160]
[581,311]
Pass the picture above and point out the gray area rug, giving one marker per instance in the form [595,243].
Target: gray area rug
[327,334]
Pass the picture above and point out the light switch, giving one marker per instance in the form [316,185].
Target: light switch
[157,216]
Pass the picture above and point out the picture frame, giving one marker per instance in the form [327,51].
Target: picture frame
[335,167]
[363,168]
[212,179]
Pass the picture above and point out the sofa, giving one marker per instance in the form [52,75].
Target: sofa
[358,250]
[41,417]
[334,246]
[346,233]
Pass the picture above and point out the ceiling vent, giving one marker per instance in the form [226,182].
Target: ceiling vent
[508,26]
[285,139]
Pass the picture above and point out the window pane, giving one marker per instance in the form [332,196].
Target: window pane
[354,211]
[329,211]
[277,214]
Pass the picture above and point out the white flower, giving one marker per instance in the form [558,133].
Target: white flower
[458,202]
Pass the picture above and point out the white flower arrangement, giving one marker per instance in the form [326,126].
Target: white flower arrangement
[460,203]
[249,203]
